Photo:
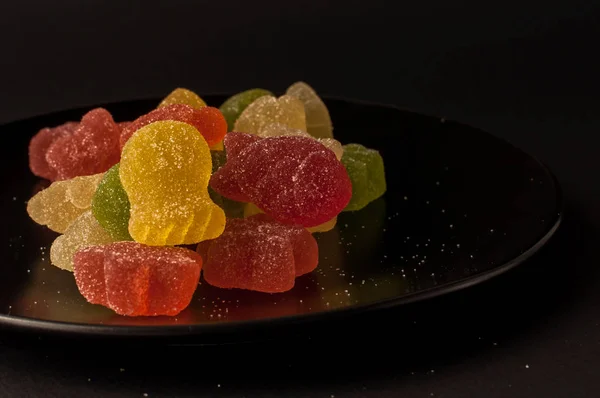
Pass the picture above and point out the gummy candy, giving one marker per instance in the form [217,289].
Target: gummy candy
[165,168]
[231,208]
[183,96]
[250,209]
[137,280]
[365,168]
[233,107]
[218,158]
[295,180]
[83,232]
[276,129]
[209,121]
[63,201]
[267,109]
[39,144]
[110,205]
[260,254]
[318,121]
[122,125]
[325,227]
[91,149]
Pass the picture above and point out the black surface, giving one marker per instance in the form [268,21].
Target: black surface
[461,207]
[524,70]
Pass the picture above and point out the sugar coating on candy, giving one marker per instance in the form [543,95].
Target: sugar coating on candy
[295,180]
[110,205]
[207,120]
[183,96]
[39,144]
[138,280]
[318,121]
[367,173]
[233,107]
[83,232]
[260,254]
[63,201]
[91,149]
[276,129]
[122,125]
[285,110]
[250,209]
[165,168]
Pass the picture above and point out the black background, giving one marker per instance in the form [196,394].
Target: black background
[525,70]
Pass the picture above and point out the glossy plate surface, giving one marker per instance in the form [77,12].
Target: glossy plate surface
[462,206]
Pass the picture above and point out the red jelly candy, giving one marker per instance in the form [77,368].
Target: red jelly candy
[39,144]
[295,180]
[208,120]
[258,253]
[123,125]
[138,280]
[91,149]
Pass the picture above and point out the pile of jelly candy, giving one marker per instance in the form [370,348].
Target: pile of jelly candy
[247,184]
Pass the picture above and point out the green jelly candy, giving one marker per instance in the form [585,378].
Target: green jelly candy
[219,158]
[231,208]
[110,205]
[233,107]
[365,168]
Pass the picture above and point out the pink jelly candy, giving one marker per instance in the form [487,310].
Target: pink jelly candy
[137,280]
[294,179]
[209,121]
[91,149]
[39,144]
[258,253]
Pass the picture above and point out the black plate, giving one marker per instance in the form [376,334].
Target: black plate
[462,206]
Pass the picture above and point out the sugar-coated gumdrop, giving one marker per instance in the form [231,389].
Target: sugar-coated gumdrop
[39,144]
[231,208]
[285,110]
[63,201]
[83,232]
[110,205]
[250,210]
[295,180]
[218,146]
[233,107]
[318,121]
[207,120]
[122,125]
[276,129]
[260,254]
[183,96]
[366,171]
[91,149]
[165,168]
[218,158]
[325,227]
[137,280]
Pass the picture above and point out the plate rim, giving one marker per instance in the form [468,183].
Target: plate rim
[12,322]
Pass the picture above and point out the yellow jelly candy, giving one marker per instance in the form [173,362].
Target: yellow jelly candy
[63,201]
[276,129]
[267,109]
[83,232]
[318,121]
[326,226]
[165,168]
[251,209]
[183,96]
[218,146]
